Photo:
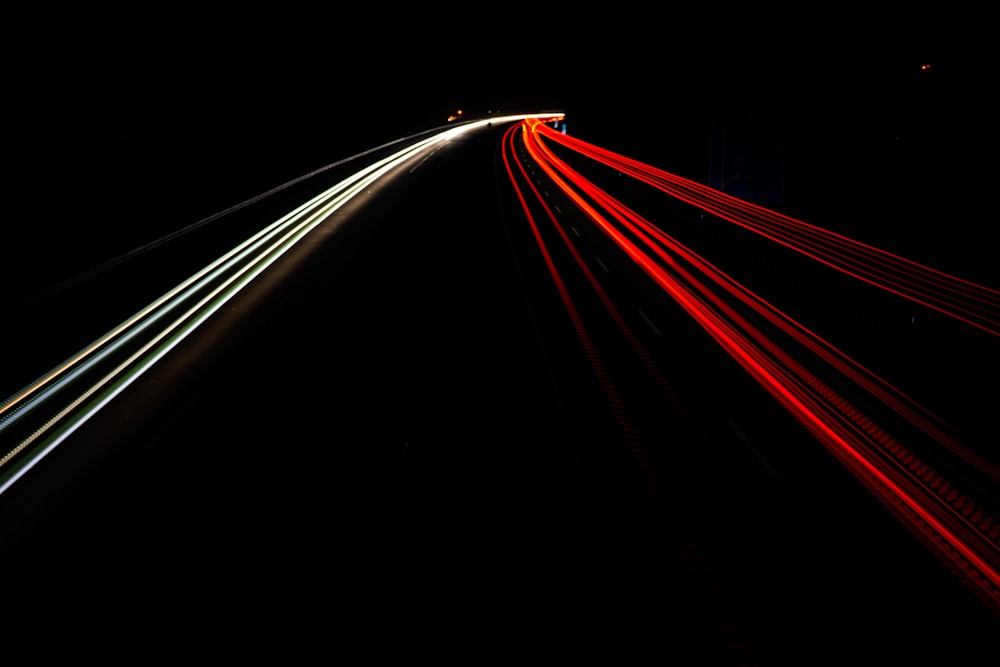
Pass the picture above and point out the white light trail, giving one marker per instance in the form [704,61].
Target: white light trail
[163,324]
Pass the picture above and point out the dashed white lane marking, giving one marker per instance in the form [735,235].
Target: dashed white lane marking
[753,449]
[650,323]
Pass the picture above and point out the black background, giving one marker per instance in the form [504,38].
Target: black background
[125,125]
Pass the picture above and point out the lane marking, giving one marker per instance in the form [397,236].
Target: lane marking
[648,321]
[753,449]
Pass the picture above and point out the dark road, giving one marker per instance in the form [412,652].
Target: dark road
[362,454]
[394,446]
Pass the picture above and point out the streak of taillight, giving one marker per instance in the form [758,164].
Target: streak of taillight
[964,300]
[932,425]
[831,419]
[631,434]
[585,338]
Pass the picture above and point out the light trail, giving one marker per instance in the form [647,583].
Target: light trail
[667,248]
[974,304]
[958,530]
[630,434]
[41,416]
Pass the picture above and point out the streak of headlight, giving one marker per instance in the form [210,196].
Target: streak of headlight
[246,261]
[89,356]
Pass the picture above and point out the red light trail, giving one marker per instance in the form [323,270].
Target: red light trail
[956,528]
[971,303]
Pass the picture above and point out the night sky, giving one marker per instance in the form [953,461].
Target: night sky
[125,124]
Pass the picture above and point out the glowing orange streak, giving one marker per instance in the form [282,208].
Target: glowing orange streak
[793,396]
[942,292]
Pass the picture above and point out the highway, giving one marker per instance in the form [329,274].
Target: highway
[493,394]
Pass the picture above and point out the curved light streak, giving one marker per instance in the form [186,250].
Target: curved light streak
[159,327]
[962,533]
[972,303]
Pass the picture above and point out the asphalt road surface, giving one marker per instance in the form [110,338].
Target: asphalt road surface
[361,455]
[391,448]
